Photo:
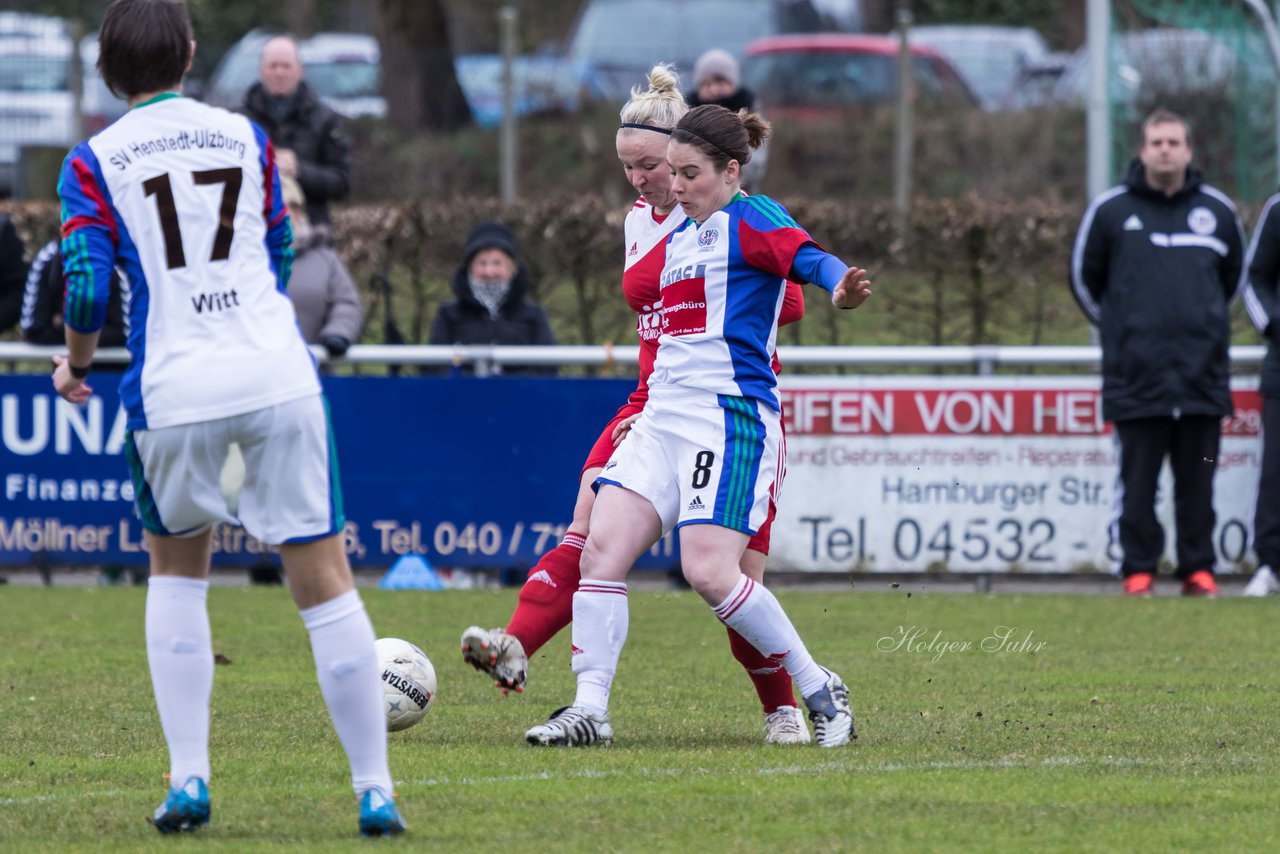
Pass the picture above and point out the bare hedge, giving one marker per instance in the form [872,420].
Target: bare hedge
[955,271]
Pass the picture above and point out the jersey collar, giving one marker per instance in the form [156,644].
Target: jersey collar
[163,96]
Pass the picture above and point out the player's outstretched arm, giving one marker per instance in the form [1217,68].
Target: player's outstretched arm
[852,290]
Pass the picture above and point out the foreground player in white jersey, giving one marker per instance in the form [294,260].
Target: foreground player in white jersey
[545,605]
[186,199]
[702,455]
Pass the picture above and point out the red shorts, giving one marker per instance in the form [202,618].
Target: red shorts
[603,449]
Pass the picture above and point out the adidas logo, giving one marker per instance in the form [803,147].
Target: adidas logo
[634,250]
[611,464]
[1133,223]
[574,649]
[696,503]
[543,576]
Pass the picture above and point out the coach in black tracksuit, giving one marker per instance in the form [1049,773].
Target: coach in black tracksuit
[1262,299]
[1157,261]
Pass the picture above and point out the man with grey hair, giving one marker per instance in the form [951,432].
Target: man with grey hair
[1156,264]
[310,143]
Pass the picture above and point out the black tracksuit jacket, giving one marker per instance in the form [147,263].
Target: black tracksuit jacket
[1156,274]
[1262,293]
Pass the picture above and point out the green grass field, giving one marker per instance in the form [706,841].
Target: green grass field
[1134,725]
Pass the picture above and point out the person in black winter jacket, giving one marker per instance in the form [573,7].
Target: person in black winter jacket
[1156,264]
[46,291]
[310,143]
[717,79]
[1262,299]
[491,286]
[13,273]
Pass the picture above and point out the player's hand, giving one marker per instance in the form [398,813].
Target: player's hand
[72,389]
[853,289]
[287,162]
[624,427]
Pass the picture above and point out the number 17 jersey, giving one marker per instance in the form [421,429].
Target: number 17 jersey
[185,198]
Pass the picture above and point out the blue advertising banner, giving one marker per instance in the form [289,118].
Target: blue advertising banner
[468,472]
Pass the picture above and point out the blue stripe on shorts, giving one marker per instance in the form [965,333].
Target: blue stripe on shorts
[744,435]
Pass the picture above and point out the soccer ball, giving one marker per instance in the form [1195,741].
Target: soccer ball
[408,682]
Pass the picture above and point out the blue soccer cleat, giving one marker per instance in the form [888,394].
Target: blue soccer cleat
[184,809]
[378,815]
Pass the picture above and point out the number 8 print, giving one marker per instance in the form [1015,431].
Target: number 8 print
[702,469]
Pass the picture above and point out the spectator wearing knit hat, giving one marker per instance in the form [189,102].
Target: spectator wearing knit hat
[717,79]
[491,286]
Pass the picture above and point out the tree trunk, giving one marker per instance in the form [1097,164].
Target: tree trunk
[300,18]
[418,79]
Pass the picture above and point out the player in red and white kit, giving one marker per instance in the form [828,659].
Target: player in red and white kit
[546,600]
[702,457]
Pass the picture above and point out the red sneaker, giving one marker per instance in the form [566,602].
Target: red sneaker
[1140,584]
[1200,583]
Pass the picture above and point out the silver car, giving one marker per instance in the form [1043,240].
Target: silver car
[38,105]
[341,68]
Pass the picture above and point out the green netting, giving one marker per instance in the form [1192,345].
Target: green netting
[1209,61]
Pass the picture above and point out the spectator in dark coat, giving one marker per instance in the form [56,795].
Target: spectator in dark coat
[491,286]
[1157,262]
[310,143]
[46,291]
[323,294]
[13,273]
[717,79]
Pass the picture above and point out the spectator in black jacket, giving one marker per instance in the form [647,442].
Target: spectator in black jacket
[717,79]
[13,273]
[1157,261]
[491,286]
[310,143]
[46,292]
[1262,299]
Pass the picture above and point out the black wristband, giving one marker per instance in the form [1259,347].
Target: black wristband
[79,373]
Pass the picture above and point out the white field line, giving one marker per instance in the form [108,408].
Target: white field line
[39,799]
[766,771]
[778,771]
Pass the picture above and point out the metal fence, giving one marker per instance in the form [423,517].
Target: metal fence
[982,359]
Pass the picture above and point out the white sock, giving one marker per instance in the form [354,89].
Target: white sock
[180,654]
[347,666]
[754,613]
[600,618]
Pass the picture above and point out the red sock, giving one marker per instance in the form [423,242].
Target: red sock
[546,599]
[773,685]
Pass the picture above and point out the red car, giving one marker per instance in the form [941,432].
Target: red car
[834,72]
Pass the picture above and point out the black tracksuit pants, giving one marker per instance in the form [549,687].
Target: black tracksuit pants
[1191,444]
[1266,514]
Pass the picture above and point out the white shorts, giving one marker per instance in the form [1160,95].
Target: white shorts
[291,491]
[701,458]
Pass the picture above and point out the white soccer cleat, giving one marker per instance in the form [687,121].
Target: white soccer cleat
[498,654]
[1263,583]
[571,726]
[830,713]
[785,725]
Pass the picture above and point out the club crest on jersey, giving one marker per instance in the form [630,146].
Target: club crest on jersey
[1202,221]
[707,239]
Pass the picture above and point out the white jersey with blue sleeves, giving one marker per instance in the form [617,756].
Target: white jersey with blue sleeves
[722,289]
[186,199]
